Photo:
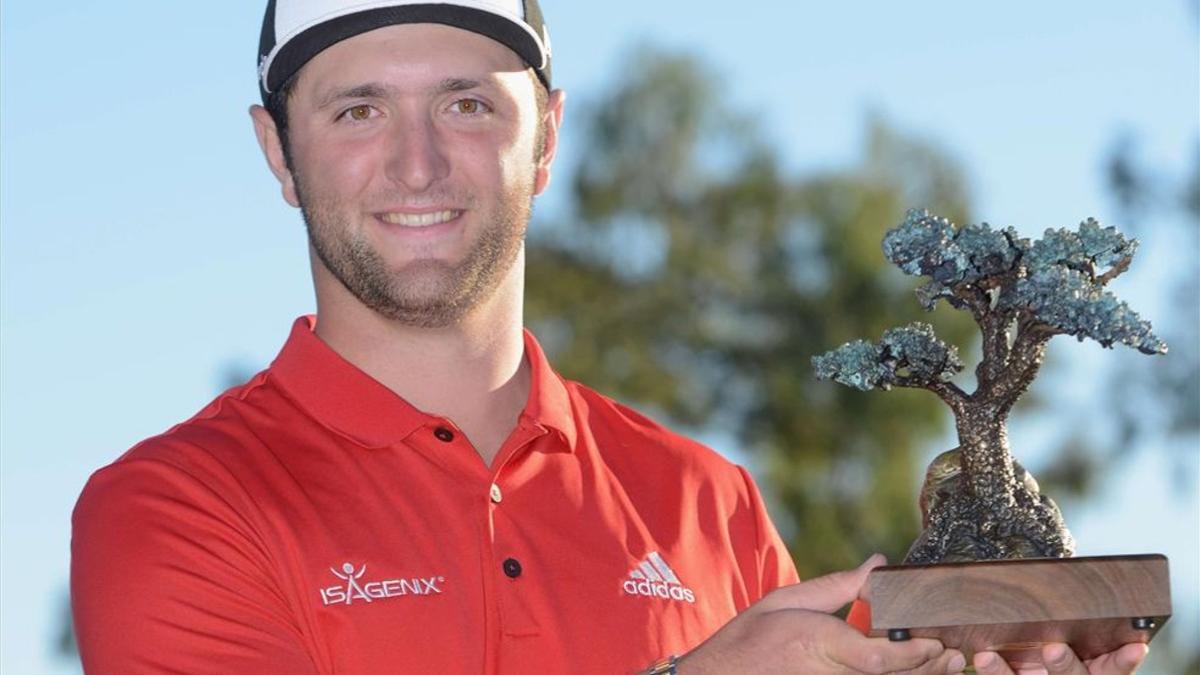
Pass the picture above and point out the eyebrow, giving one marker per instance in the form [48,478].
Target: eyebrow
[376,90]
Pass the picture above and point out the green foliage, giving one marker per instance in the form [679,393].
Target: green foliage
[1064,287]
[925,245]
[1089,250]
[911,354]
[1073,304]
[1057,281]
[855,364]
[696,280]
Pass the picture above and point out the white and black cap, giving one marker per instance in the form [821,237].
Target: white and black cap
[294,31]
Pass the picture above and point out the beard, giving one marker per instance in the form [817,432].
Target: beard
[421,293]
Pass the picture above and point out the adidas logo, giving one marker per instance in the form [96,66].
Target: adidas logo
[654,578]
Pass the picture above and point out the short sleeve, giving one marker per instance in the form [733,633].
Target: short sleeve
[775,566]
[167,577]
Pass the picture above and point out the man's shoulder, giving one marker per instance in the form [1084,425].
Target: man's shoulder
[624,432]
[223,432]
[198,465]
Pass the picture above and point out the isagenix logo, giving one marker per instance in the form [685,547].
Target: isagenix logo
[353,589]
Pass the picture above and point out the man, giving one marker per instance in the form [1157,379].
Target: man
[409,487]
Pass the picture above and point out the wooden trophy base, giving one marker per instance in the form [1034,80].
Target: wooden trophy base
[1015,606]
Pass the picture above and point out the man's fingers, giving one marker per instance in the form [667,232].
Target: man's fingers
[951,662]
[1124,661]
[823,594]
[1060,659]
[849,648]
[956,663]
[990,663]
[878,655]
[1129,658]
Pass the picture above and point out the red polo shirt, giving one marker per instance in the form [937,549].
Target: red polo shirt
[311,521]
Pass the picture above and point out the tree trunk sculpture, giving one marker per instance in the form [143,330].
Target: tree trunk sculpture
[977,503]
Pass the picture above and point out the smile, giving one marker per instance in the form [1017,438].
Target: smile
[419,219]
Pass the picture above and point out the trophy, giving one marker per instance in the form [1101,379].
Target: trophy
[992,569]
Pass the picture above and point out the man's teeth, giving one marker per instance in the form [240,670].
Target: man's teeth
[420,219]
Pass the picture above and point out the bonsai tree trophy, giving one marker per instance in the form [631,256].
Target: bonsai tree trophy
[992,568]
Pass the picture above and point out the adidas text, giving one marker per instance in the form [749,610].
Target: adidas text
[659,590]
[654,578]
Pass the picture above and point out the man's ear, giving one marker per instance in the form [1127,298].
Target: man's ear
[272,147]
[551,126]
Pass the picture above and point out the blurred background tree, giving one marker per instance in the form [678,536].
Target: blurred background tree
[1155,407]
[695,279]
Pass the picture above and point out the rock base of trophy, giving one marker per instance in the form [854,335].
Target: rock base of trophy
[1014,607]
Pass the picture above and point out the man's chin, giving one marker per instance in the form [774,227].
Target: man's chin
[426,300]
[428,318]
[422,270]
[426,281]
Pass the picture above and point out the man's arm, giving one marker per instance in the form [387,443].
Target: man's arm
[166,576]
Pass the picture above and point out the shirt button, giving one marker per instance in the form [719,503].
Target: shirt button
[443,434]
[512,568]
[496,494]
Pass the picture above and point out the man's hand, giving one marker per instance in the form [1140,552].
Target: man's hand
[1060,660]
[791,631]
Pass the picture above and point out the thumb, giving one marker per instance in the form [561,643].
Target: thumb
[827,593]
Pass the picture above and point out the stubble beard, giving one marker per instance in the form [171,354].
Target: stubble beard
[423,293]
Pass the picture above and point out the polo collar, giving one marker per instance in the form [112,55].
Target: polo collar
[354,404]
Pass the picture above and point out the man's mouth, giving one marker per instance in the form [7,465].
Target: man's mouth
[419,219]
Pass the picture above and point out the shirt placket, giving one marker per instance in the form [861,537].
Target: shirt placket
[507,572]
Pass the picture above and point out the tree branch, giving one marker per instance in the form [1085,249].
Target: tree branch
[1025,359]
[1117,270]
[995,348]
[949,392]
[994,322]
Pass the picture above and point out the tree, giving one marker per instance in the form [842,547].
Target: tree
[694,279]
[1149,200]
[978,504]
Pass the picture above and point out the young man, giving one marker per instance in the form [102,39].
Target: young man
[410,487]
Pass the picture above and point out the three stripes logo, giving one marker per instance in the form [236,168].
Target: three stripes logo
[654,578]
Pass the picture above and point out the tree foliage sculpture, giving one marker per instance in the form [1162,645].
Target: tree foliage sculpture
[977,503]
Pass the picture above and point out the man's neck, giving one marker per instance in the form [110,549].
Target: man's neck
[473,373]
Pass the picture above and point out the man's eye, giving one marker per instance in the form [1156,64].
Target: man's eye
[358,113]
[470,106]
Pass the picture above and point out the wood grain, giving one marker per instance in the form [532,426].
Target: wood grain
[1015,606]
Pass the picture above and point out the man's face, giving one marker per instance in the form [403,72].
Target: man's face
[413,160]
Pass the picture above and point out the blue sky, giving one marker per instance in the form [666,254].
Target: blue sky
[144,248]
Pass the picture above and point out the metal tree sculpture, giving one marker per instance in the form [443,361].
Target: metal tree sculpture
[977,503]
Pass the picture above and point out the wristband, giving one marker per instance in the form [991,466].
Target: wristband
[664,666]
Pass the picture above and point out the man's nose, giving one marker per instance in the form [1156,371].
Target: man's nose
[417,157]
